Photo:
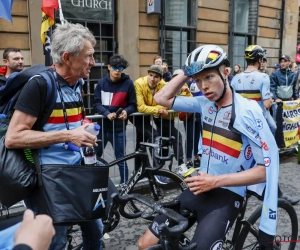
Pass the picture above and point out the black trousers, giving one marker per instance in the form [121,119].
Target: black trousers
[144,133]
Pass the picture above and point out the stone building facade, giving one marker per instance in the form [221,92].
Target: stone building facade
[124,27]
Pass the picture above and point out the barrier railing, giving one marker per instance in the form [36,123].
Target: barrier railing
[131,137]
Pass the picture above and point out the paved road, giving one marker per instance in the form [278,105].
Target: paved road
[126,235]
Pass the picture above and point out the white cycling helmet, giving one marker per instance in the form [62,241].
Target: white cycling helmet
[205,57]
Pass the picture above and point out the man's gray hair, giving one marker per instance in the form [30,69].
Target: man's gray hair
[69,37]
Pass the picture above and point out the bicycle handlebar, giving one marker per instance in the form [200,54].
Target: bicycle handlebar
[159,145]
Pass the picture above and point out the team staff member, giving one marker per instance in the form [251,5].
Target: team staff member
[231,126]
[72,53]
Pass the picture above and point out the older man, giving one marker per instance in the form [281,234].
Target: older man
[72,53]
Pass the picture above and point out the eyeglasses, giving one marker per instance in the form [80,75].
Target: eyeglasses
[120,68]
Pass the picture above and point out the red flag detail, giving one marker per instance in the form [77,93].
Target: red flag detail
[48,7]
[3,71]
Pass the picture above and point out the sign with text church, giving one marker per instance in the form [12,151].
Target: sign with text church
[97,10]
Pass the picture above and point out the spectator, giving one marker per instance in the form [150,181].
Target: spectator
[237,69]
[293,66]
[145,88]
[193,129]
[167,76]
[14,62]
[229,76]
[72,53]
[277,66]
[263,65]
[112,92]
[283,83]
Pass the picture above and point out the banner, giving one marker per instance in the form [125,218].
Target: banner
[5,9]
[48,7]
[291,122]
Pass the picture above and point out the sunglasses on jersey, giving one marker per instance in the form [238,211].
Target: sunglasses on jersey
[120,68]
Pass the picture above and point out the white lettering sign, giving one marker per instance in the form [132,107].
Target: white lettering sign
[93,4]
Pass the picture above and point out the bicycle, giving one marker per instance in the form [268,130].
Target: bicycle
[152,187]
[245,231]
[169,236]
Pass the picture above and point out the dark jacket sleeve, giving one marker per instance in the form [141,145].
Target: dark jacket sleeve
[273,85]
[98,107]
[295,86]
[22,247]
[131,99]
[167,76]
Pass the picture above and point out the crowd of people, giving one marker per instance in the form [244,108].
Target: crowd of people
[227,125]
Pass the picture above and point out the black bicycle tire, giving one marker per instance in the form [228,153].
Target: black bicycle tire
[256,215]
[165,173]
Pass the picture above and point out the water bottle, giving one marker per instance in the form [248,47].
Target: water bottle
[93,129]
[89,153]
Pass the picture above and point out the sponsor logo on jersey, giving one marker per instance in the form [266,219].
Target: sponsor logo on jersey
[248,152]
[237,204]
[259,124]
[272,214]
[264,145]
[211,110]
[215,155]
[227,115]
[267,161]
[251,130]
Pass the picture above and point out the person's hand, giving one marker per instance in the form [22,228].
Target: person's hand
[164,67]
[203,182]
[185,89]
[123,115]
[278,100]
[80,137]
[36,232]
[163,112]
[112,116]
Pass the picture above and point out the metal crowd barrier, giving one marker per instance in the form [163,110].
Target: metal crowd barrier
[108,153]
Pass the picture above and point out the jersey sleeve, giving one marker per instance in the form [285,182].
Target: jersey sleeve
[32,96]
[187,104]
[265,90]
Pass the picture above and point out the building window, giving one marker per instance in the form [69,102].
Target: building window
[99,17]
[242,28]
[178,26]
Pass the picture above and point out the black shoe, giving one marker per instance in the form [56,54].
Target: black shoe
[290,199]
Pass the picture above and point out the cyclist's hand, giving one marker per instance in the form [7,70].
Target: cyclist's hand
[203,182]
[36,232]
[123,115]
[80,137]
[112,116]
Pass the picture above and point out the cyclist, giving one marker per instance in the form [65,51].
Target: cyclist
[255,85]
[235,134]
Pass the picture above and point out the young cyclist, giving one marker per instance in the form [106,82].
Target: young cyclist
[235,134]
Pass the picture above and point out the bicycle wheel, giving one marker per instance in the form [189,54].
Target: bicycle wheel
[74,238]
[287,228]
[166,192]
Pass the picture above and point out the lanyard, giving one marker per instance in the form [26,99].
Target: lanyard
[63,103]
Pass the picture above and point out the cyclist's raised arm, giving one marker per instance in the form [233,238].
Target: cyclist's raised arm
[165,96]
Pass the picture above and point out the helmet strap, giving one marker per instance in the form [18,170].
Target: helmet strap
[225,86]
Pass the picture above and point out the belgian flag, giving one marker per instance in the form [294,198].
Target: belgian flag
[48,7]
